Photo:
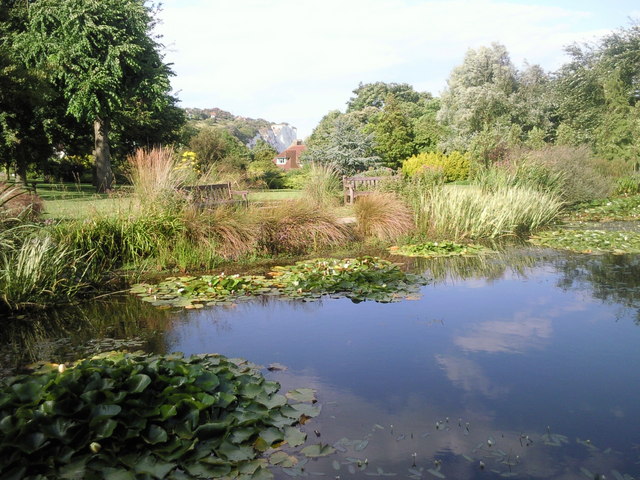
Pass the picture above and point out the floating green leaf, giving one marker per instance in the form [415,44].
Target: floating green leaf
[318,450]
[302,395]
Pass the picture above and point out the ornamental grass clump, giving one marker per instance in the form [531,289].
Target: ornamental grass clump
[322,185]
[227,230]
[298,226]
[383,216]
[468,212]
[126,416]
[155,175]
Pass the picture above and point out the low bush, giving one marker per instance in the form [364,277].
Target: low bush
[628,185]
[122,239]
[156,174]
[581,174]
[383,216]
[455,165]
[322,186]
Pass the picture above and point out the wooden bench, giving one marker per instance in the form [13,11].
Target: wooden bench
[356,186]
[215,194]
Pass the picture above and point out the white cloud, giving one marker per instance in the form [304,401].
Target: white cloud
[294,60]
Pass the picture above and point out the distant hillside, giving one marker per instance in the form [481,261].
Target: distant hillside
[247,130]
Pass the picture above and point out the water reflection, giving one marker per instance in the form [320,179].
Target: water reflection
[120,322]
[497,349]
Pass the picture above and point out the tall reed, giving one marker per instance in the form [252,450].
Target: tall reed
[456,212]
[39,272]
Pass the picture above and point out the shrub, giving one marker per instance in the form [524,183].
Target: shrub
[122,239]
[582,178]
[297,226]
[383,216]
[628,185]
[455,165]
[228,231]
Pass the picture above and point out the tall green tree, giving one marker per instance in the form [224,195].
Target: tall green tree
[23,93]
[394,136]
[478,97]
[598,94]
[343,144]
[103,56]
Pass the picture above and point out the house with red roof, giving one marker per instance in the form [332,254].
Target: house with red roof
[290,158]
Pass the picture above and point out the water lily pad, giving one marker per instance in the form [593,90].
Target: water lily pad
[282,459]
[318,450]
[302,395]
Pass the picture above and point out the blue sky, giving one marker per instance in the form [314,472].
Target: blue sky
[294,60]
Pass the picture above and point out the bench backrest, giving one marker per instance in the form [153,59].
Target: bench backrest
[216,192]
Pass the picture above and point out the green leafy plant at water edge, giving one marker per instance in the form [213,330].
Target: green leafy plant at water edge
[365,278]
[620,208]
[127,416]
[589,241]
[438,249]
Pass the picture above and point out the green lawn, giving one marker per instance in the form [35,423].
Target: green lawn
[71,200]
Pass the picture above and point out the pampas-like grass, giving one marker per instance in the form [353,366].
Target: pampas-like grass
[155,175]
[298,226]
[383,216]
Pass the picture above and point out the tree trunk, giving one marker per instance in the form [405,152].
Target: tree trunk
[103,175]
[21,168]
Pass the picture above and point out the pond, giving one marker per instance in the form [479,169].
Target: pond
[522,364]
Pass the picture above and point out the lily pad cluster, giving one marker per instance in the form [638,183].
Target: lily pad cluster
[438,249]
[365,278]
[133,416]
[620,208]
[590,241]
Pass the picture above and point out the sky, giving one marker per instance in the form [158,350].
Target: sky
[295,60]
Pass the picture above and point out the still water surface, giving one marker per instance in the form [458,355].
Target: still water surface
[527,362]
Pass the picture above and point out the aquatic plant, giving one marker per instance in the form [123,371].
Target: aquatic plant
[455,212]
[602,210]
[438,249]
[589,241]
[127,416]
[36,271]
[365,278]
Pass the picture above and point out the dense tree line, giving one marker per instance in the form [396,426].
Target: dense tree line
[80,77]
[491,107]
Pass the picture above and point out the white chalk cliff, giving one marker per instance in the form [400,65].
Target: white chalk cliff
[279,136]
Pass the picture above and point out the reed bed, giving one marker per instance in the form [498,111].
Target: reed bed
[459,213]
